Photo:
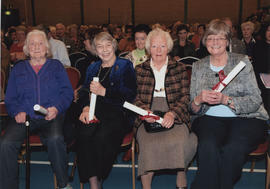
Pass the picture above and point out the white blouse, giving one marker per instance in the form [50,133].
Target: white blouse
[159,79]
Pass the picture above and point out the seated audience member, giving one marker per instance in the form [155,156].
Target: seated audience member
[229,124]
[82,30]
[139,55]
[173,31]
[98,145]
[182,46]
[58,48]
[62,35]
[105,28]
[117,33]
[10,37]
[37,80]
[60,31]
[127,43]
[235,45]
[91,57]
[53,31]
[261,58]
[247,31]
[175,147]
[16,49]
[196,39]
[76,42]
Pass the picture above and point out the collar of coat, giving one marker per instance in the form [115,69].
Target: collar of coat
[171,64]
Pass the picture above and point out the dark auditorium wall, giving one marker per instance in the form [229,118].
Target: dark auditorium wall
[145,11]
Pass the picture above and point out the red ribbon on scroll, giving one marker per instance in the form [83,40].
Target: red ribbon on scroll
[94,121]
[221,76]
[149,116]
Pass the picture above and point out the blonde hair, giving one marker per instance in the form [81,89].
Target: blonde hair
[28,37]
[248,24]
[158,32]
[216,27]
[101,37]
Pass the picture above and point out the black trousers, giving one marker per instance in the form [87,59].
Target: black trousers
[223,147]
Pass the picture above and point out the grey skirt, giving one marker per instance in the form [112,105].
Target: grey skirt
[172,149]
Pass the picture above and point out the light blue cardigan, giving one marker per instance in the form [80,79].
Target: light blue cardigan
[243,89]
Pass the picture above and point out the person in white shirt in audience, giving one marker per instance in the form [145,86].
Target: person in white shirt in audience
[58,48]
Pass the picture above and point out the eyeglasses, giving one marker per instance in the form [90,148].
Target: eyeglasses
[218,39]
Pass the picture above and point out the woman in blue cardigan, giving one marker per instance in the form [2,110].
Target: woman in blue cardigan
[98,145]
[37,80]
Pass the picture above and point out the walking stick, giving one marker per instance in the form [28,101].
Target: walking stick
[28,154]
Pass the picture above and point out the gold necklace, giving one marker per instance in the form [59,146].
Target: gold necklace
[105,75]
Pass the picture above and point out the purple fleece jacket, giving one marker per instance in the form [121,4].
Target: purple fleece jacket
[50,87]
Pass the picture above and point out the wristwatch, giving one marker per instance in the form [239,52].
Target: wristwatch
[229,101]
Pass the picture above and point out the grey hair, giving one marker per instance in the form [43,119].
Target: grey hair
[216,27]
[101,37]
[28,37]
[248,24]
[158,32]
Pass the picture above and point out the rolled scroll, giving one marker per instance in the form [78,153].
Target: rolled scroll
[93,102]
[140,111]
[40,109]
[222,84]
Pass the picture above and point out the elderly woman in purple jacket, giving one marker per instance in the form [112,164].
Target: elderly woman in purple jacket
[43,81]
[98,145]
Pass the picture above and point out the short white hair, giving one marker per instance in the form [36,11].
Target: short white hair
[248,24]
[158,32]
[28,37]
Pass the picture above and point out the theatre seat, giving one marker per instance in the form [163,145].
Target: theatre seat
[262,150]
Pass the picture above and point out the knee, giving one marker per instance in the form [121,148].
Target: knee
[7,146]
[237,148]
[55,141]
[207,146]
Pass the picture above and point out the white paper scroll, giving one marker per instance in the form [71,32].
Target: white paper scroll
[40,109]
[231,75]
[139,110]
[93,103]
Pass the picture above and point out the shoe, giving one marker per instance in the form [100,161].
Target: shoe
[67,187]
[127,156]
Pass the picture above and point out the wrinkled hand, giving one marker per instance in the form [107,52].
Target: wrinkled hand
[211,97]
[168,120]
[52,113]
[97,88]
[84,117]
[20,117]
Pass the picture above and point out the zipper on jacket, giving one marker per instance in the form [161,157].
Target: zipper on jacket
[38,88]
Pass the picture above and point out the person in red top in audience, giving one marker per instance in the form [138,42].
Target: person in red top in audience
[16,49]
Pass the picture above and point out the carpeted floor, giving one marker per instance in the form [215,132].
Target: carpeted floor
[121,176]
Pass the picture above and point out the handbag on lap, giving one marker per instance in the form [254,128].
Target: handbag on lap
[156,127]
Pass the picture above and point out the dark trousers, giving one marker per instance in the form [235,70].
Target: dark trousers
[223,147]
[51,134]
